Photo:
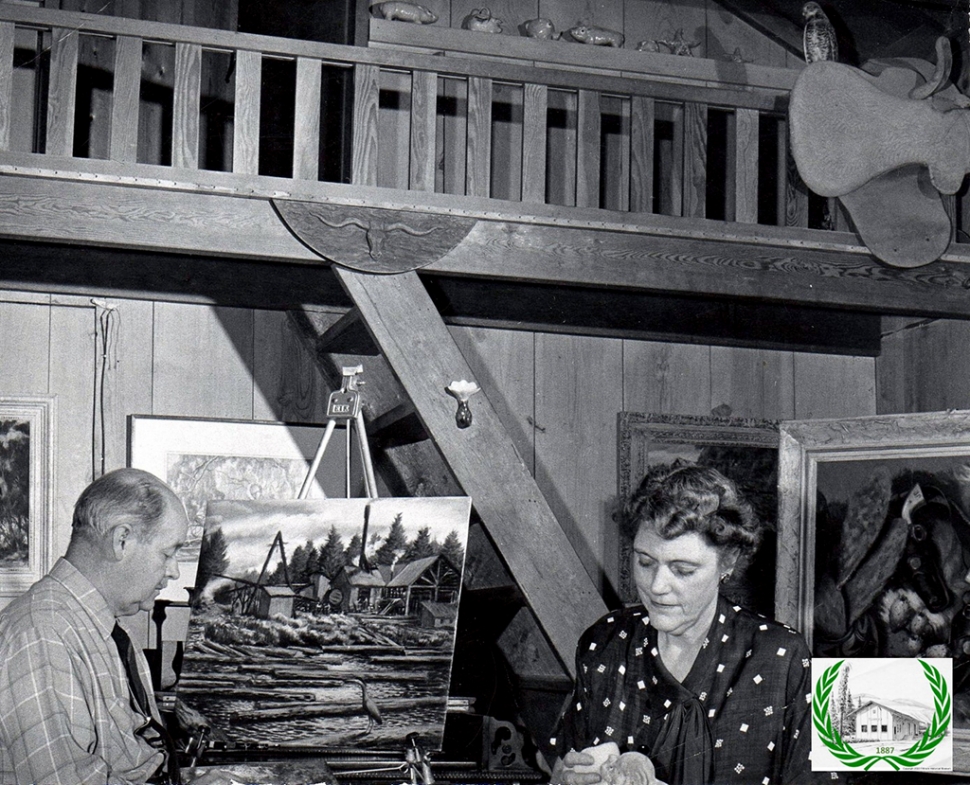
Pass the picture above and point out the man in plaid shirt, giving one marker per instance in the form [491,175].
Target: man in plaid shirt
[68,711]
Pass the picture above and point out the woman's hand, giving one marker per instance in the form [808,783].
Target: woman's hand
[566,771]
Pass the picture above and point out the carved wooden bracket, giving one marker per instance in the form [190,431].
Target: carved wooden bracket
[371,239]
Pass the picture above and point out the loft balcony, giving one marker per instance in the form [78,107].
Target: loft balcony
[600,183]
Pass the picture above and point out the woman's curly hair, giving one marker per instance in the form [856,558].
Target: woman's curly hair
[680,498]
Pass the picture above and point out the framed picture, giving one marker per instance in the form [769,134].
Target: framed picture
[207,460]
[26,490]
[874,541]
[745,450]
[327,622]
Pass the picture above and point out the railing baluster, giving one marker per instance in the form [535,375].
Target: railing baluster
[366,101]
[535,116]
[479,161]
[695,160]
[248,97]
[746,153]
[125,99]
[424,105]
[306,133]
[642,131]
[185,112]
[7,31]
[588,149]
[62,93]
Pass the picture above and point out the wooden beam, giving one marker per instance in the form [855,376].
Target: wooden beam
[534,140]
[6,83]
[306,134]
[245,128]
[185,110]
[367,86]
[62,93]
[125,101]
[478,164]
[425,358]
[424,106]
[514,241]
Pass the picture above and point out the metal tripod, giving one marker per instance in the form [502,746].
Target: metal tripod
[344,407]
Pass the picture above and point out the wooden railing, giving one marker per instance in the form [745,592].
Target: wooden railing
[654,136]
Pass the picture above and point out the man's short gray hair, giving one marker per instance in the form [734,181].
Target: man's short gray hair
[122,496]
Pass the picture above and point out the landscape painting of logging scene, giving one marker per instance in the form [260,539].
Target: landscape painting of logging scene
[326,622]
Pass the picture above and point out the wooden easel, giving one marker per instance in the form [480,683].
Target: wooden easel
[344,407]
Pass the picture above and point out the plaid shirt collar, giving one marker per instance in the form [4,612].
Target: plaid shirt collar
[88,597]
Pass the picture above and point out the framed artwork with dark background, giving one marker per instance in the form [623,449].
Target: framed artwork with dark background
[743,449]
[874,542]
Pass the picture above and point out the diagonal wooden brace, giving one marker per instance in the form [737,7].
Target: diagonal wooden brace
[419,349]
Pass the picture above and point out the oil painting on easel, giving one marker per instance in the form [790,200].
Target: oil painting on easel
[326,622]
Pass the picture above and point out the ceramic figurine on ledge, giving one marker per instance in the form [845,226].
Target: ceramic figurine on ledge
[396,10]
[679,45]
[597,36]
[540,28]
[480,20]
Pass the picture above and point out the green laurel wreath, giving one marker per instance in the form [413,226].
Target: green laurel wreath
[930,739]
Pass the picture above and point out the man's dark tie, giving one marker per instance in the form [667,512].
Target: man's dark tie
[127,652]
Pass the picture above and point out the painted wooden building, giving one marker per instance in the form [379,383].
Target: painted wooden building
[625,232]
[878,720]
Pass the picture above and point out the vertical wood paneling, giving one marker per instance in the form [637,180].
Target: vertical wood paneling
[642,132]
[72,364]
[366,100]
[306,134]
[504,365]
[125,103]
[127,363]
[562,147]
[796,207]
[746,165]
[753,382]
[589,123]
[248,98]
[25,336]
[6,83]
[203,361]
[507,139]
[424,101]
[615,156]
[534,122]
[478,166]
[288,383]
[576,448]
[452,137]
[394,130]
[834,386]
[924,366]
[695,160]
[666,378]
[62,94]
[185,111]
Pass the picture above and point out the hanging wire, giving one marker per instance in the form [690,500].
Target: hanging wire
[106,328]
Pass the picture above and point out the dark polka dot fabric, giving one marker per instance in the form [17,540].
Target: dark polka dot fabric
[741,714]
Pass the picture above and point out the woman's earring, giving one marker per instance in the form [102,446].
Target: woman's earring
[725,575]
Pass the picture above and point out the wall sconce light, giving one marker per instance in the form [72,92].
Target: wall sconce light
[462,391]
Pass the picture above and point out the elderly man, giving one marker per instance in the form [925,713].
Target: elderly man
[76,705]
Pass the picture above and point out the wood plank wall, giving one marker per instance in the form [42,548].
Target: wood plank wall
[558,394]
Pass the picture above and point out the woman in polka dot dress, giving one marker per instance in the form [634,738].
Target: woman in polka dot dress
[709,692]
